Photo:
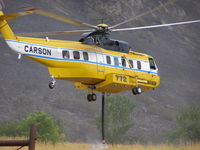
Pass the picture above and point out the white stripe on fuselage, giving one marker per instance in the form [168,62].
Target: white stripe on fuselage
[39,50]
[47,52]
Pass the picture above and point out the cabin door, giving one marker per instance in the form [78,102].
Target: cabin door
[100,63]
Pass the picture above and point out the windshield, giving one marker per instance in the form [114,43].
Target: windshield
[152,64]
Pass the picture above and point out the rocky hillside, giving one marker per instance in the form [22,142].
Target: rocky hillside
[24,83]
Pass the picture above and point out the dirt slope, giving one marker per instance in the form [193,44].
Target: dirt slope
[24,84]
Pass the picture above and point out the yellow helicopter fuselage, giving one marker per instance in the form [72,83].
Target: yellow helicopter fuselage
[90,67]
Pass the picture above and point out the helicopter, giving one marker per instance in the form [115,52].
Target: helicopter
[95,63]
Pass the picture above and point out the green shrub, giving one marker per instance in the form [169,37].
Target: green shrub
[187,126]
[47,129]
[118,119]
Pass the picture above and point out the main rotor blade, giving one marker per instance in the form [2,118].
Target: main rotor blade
[157,26]
[145,13]
[53,33]
[60,18]
[14,15]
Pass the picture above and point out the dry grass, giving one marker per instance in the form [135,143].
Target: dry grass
[82,146]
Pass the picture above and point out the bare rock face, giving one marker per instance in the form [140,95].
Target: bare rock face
[24,83]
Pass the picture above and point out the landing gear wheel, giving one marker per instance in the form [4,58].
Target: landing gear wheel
[139,90]
[51,85]
[91,97]
[94,97]
[136,90]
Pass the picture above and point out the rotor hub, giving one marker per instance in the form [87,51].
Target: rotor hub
[103,27]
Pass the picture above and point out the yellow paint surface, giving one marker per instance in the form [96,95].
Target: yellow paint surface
[106,78]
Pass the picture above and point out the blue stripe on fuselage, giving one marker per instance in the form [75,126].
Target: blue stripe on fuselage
[75,60]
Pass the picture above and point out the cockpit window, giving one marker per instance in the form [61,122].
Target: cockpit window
[152,64]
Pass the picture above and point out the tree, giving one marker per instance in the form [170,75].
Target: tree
[47,129]
[187,125]
[118,119]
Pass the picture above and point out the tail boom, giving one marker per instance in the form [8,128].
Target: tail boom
[6,31]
